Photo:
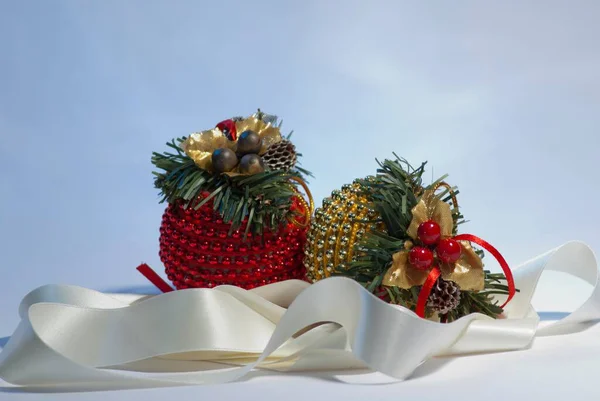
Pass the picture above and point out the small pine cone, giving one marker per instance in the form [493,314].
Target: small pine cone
[281,156]
[444,296]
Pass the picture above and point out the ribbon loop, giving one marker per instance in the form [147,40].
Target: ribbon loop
[496,254]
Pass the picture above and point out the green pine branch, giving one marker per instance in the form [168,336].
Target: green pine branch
[264,199]
[393,192]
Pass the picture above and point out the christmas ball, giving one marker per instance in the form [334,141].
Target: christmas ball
[448,250]
[224,160]
[231,230]
[248,142]
[396,236]
[197,250]
[251,164]
[429,232]
[337,227]
[421,258]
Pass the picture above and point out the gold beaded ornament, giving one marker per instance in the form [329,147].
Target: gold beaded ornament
[345,217]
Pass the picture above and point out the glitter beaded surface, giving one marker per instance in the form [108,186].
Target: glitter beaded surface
[197,251]
[337,227]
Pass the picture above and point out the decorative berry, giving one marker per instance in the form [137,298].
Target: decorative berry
[281,156]
[420,258]
[448,250]
[444,296]
[223,160]
[429,232]
[249,142]
[228,129]
[251,164]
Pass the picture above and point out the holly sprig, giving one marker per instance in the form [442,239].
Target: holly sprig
[393,192]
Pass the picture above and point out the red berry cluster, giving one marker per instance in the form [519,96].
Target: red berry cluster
[448,250]
[198,252]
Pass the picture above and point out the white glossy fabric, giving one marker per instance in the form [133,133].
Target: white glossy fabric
[70,335]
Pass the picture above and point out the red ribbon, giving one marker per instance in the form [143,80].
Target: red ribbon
[154,278]
[426,290]
[435,273]
[488,247]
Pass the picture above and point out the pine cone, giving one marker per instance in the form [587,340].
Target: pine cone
[444,296]
[280,156]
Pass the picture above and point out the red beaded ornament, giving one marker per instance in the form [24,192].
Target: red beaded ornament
[198,252]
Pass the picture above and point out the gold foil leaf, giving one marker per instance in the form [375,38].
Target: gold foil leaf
[200,145]
[402,274]
[431,207]
[467,272]
[266,131]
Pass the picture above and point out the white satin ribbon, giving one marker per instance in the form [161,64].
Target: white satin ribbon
[70,335]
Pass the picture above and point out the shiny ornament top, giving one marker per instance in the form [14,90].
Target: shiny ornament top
[233,134]
[244,167]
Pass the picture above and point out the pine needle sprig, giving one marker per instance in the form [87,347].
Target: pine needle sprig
[393,192]
[264,199]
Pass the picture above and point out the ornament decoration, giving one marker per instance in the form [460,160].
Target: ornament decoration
[409,244]
[305,205]
[457,263]
[200,146]
[336,227]
[224,160]
[251,164]
[249,143]
[448,250]
[229,220]
[227,127]
[281,156]
[429,232]
[421,258]
[444,297]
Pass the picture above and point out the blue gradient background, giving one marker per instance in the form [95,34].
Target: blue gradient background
[503,96]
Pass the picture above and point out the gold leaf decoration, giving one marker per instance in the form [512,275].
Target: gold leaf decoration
[467,272]
[431,207]
[401,274]
[199,146]
[266,131]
